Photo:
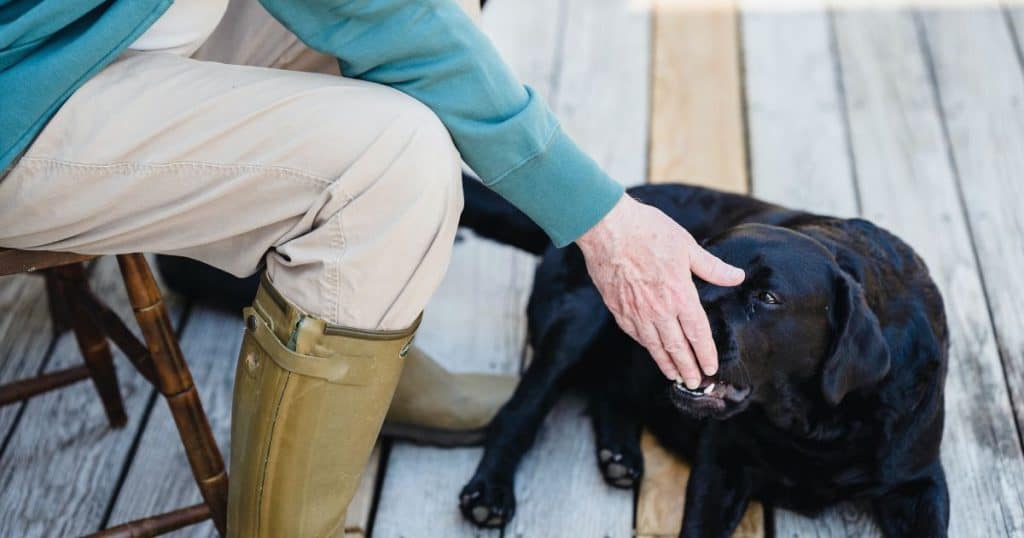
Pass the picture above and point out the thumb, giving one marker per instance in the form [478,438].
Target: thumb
[713,270]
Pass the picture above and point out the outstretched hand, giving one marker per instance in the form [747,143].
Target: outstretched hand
[643,263]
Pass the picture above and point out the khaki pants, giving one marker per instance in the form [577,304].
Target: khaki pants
[348,190]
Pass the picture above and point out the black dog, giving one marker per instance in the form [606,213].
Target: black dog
[832,363]
[830,386]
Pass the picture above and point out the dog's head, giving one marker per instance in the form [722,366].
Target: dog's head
[797,333]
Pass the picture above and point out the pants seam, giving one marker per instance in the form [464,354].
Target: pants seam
[278,171]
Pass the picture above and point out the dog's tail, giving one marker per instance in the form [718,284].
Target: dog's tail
[490,216]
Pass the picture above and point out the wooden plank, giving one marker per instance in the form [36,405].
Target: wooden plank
[159,478]
[475,320]
[599,72]
[907,184]
[799,150]
[799,157]
[602,87]
[696,104]
[982,94]
[480,306]
[63,462]
[474,323]
[696,136]
[25,336]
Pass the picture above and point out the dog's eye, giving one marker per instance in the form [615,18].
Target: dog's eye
[767,297]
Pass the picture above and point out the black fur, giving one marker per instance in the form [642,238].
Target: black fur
[845,374]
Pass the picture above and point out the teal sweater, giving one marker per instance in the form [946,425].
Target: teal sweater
[429,49]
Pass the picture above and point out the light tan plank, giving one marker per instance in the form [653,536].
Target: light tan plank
[696,106]
[697,137]
[63,462]
[800,158]
[907,185]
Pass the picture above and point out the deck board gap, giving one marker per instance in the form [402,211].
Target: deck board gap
[929,62]
[844,112]
[147,413]
[21,405]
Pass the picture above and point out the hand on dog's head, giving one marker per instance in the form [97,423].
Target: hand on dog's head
[797,334]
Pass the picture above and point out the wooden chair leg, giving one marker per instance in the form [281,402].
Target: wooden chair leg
[60,314]
[175,382]
[92,341]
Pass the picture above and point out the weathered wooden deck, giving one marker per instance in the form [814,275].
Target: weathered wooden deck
[912,118]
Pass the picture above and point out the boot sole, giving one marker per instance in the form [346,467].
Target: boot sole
[422,435]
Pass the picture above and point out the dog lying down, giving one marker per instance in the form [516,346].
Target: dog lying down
[830,387]
[832,362]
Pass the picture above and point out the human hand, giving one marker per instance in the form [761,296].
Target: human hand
[643,263]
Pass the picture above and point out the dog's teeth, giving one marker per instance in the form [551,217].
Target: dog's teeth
[709,388]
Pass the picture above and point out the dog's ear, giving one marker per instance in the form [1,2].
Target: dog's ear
[860,355]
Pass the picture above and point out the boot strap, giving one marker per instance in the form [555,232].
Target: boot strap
[356,370]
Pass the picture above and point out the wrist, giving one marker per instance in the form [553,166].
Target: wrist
[604,230]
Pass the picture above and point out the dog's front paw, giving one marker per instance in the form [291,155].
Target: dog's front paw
[620,468]
[488,503]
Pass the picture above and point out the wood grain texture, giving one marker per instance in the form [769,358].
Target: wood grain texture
[475,320]
[601,90]
[696,105]
[981,90]
[159,479]
[601,95]
[659,509]
[25,336]
[473,323]
[595,82]
[697,137]
[63,462]
[799,149]
[799,158]
[907,184]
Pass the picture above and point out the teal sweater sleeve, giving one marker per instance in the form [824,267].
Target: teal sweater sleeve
[432,51]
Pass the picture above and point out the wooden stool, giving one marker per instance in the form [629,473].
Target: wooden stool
[160,361]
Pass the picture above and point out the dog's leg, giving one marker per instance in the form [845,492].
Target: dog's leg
[917,508]
[717,493]
[488,500]
[618,438]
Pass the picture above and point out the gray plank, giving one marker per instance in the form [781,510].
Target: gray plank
[474,323]
[601,97]
[159,478]
[25,336]
[601,91]
[907,184]
[476,320]
[982,97]
[63,462]
[799,157]
[797,133]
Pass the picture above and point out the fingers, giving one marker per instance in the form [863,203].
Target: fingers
[709,267]
[648,337]
[674,343]
[695,326]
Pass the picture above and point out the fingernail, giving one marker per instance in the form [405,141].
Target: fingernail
[677,379]
[693,383]
[711,371]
